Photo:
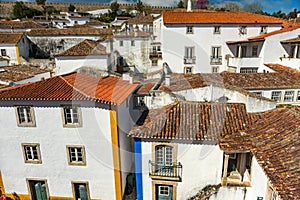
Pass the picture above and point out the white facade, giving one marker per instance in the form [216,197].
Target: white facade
[67,64]
[202,39]
[95,135]
[202,165]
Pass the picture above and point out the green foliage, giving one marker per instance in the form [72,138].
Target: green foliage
[114,6]
[279,14]
[253,8]
[71,8]
[139,6]
[50,10]
[180,4]
[20,10]
[40,2]
[107,17]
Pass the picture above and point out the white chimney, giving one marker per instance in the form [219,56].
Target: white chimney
[189,6]
[168,80]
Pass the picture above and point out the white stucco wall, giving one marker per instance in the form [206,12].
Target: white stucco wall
[203,39]
[95,135]
[213,93]
[36,77]
[69,64]
[11,53]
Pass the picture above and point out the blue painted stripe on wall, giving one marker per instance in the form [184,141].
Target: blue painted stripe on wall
[138,168]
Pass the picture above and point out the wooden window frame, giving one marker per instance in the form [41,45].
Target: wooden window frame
[71,125]
[37,179]
[38,149]
[31,112]
[76,163]
[189,29]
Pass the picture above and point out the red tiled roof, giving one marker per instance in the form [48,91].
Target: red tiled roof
[141,19]
[70,31]
[85,48]
[274,140]
[218,18]
[73,86]
[193,121]
[10,38]
[293,40]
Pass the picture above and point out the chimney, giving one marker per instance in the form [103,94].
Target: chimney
[168,80]
[189,6]
[131,78]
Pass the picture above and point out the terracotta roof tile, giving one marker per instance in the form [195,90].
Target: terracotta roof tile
[19,25]
[85,48]
[132,34]
[274,140]
[141,19]
[73,86]
[10,38]
[218,18]
[193,121]
[70,31]
[19,72]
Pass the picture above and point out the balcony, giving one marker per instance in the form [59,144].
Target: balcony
[245,62]
[155,54]
[216,60]
[189,60]
[166,172]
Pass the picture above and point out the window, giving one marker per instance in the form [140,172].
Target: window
[154,62]
[38,189]
[121,43]
[217,30]
[163,155]
[263,29]
[189,29]
[188,70]
[298,95]
[276,95]
[3,52]
[248,70]
[244,51]
[75,22]
[32,153]
[132,43]
[216,57]
[254,51]
[76,155]
[288,96]
[80,190]
[257,93]
[25,115]
[215,69]
[163,190]
[243,29]
[237,169]
[189,55]
[71,116]
[293,51]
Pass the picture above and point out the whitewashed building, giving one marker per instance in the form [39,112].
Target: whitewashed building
[88,53]
[193,42]
[190,149]
[66,138]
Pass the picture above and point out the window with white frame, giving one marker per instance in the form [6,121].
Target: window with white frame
[121,43]
[163,190]
[71,116]
[215,69]
[243,29]
[288,96]
[248,70]
[80,190]
[276,95]
[257,93]
[76,155]
[217,29]
[154,63]
[32,153]
[189,55]
[188,70]
[25,115]
[298,95]
[216,55]
[254,51]
[189,29]
[3,52]
[263,29]
[132,43]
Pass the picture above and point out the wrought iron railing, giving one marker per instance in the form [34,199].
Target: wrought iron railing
[155,54]
[174,170]
[216,60]
[190,60]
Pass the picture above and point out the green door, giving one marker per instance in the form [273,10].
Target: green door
[164,192]
[40,191]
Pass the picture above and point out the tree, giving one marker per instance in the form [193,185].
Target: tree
[114,7]
[279,14]
[253,8]
[202,4]
[40,2]
[71,8]
[180,4]
[20,10]
[233,7]
[140,6]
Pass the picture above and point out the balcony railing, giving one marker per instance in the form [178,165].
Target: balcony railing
[169,172]
[190,60]
[216,60]
[155,54]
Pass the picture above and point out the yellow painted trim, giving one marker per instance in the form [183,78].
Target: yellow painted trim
[27,197]
[116,153]
[2,184]
[18,55]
